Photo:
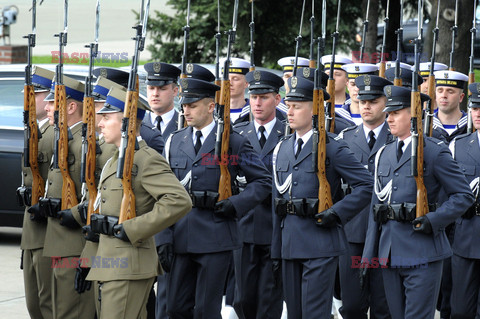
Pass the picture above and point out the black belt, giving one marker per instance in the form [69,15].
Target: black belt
[204,199]
[473,210]
[102,224]
[24,196]
[50,207]
[302,207]
[404,212]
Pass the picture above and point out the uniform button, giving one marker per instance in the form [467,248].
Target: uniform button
[395,188]
[104,187]
[24,174]
[396,174]
[394,202]
[175,163]
[195,177]
[195,165]
[103,200]
[371,161]
[296,168]
[295,183]
[49,183]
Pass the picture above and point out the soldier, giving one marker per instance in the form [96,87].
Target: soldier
[37,270]
[307,242]
[239,105]
[405,76]
[258,295]
[205,238]
[159,202]
[340,76]
[350,109]
[364,140]
[411,250]
[449,121]
[465,259]
[287,64]
[424,69]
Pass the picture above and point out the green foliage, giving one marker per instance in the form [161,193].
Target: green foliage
[47,59]
[276,27]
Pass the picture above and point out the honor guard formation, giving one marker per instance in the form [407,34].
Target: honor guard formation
[356,190]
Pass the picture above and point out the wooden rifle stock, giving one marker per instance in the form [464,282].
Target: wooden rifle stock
[38,184]
[311,64]
[431,94]
[381,70]
[69,194]
[224,184]
[397,82]
[127,208]
[331,92]
[90,163]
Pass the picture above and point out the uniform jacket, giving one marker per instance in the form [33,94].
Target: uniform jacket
[33,233]
[160,200]
[466,242]
[440,133]
[356,229]
[147,125]
[256,225]
[397,239]
[299,237]
[202,231]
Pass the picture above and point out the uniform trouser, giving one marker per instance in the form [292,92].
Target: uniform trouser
[355,301]
[412,292]
[196,285]
[230,283]
[67,302]
[124,299]
[466,285]
[443,304]
[37,278]
[161,303]
[308,287]
[256,296]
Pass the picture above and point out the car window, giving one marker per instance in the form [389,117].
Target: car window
[11,102]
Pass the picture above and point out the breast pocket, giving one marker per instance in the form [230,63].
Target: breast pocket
[468,170]
[282,169]
[178,165]
[383,174]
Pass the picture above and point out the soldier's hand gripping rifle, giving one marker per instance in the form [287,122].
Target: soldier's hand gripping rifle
[31,132]
[364,33]
[223,119]
[397,81]
[330,107]
[381,70]
[417,130]
[129,126]
[431,82]
[88,161]
[60,146]
[471,73]
[183,75]
[454,36]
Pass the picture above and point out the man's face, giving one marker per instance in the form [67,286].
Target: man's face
[476,118]
[200,113]
[448,98]
[49,109]
[340,78]
[424,85]
[352,90]
[399,123]
[111,127]
[372,110]
[160,98]
[98,117]
[285,77]
[238,84]
[264,106]
[40,105]
[299,115]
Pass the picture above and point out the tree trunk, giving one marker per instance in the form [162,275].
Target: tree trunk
[371,38]
[393,24]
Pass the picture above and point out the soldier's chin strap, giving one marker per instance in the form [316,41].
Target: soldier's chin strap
[384,194]
[288,182]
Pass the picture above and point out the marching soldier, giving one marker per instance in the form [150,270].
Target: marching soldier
[466,256]
[259,294]
[424,71]
[364,140]
[37,269]
[239,105]
[287,64]
[204,239]
[128,249]
[307,242]
[340,76]
[449,121]
[411,250]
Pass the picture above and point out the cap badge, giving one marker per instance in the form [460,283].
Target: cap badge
[306,72]
[184,84]
[388,91]
[292,61]
[357,68]
[257,75]
[156,67]
[478,88]
[103,72]
[294,82]
[189,68]
[445,75]
[367,80]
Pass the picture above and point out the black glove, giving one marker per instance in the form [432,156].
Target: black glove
[328,218]
[89,235]
[165,256]
[277,272]
[424,225]
[80,283]
[225,208]
[363,277]
[36,213]
[83,211]
[119,232]
[67,219]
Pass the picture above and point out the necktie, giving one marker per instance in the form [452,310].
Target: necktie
[263,139]
[371,140]
[198,143]
[400,150]
[299,147]
[159,120]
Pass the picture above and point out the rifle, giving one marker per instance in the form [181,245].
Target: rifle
[321,40]
[60,147]
[364,33]
[31,132]
[398,80]
[311,63]
[252,61]
[129,125]
[454,35]
[223,118]
[183,75]
[417,130]
[218,81]
[88,160]
[330,108]
[381,71]
[471,73]
[431,82]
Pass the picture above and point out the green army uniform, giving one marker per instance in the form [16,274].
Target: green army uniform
[37,270]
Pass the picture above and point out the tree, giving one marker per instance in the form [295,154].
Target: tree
[276,27]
